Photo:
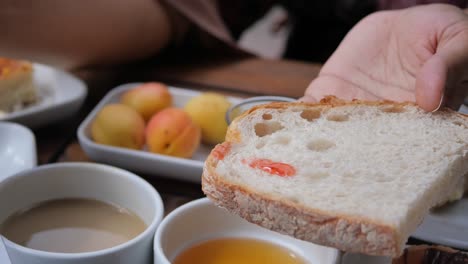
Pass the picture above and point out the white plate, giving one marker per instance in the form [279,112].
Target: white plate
[61,95]
[447,225]
[17,149]
[144,161]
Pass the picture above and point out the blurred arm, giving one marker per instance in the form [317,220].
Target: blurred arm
[70,33]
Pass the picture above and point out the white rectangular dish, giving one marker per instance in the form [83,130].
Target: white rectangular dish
[141,160]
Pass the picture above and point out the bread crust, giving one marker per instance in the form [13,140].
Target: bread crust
[343,232]
[332,101]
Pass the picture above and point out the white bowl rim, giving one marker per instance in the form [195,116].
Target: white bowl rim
[168,219]
[159,212]
[257,99]
[158,250]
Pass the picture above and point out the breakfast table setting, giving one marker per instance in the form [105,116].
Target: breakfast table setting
[42,143]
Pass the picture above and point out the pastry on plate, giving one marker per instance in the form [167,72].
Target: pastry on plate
[16,84]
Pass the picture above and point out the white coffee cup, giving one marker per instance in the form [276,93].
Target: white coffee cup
[201,220]
[83,180]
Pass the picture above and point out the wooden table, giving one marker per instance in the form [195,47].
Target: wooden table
[241,77]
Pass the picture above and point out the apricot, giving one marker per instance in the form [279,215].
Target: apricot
[172,132]
[148,98]
[208,110]
[119,125]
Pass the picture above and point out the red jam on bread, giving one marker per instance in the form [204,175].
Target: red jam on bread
[275,168]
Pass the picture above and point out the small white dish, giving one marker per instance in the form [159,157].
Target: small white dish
[61,94]
[4,258]
[447,225]
[201,220]
[17,149]
[141,160]
[237,109]
[463,108]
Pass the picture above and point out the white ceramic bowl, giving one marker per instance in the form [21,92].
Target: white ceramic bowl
[17,149]
[83,180]
[201,220]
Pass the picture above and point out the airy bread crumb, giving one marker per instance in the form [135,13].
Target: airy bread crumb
[366,173]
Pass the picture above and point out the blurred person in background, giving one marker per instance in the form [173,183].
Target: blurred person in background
[408,54]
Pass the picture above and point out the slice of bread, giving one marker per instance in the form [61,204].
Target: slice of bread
[16,84]
[357,176]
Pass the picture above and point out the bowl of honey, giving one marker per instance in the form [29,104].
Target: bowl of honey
[201,232]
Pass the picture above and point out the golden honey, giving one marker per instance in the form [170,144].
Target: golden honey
[237,251]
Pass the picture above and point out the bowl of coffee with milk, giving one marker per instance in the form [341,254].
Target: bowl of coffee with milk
[78,213]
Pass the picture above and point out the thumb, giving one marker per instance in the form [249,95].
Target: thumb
[442,78]
[430,84]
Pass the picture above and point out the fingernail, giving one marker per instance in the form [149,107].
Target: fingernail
[440,103]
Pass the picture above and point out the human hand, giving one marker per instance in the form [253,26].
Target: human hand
[418,54]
